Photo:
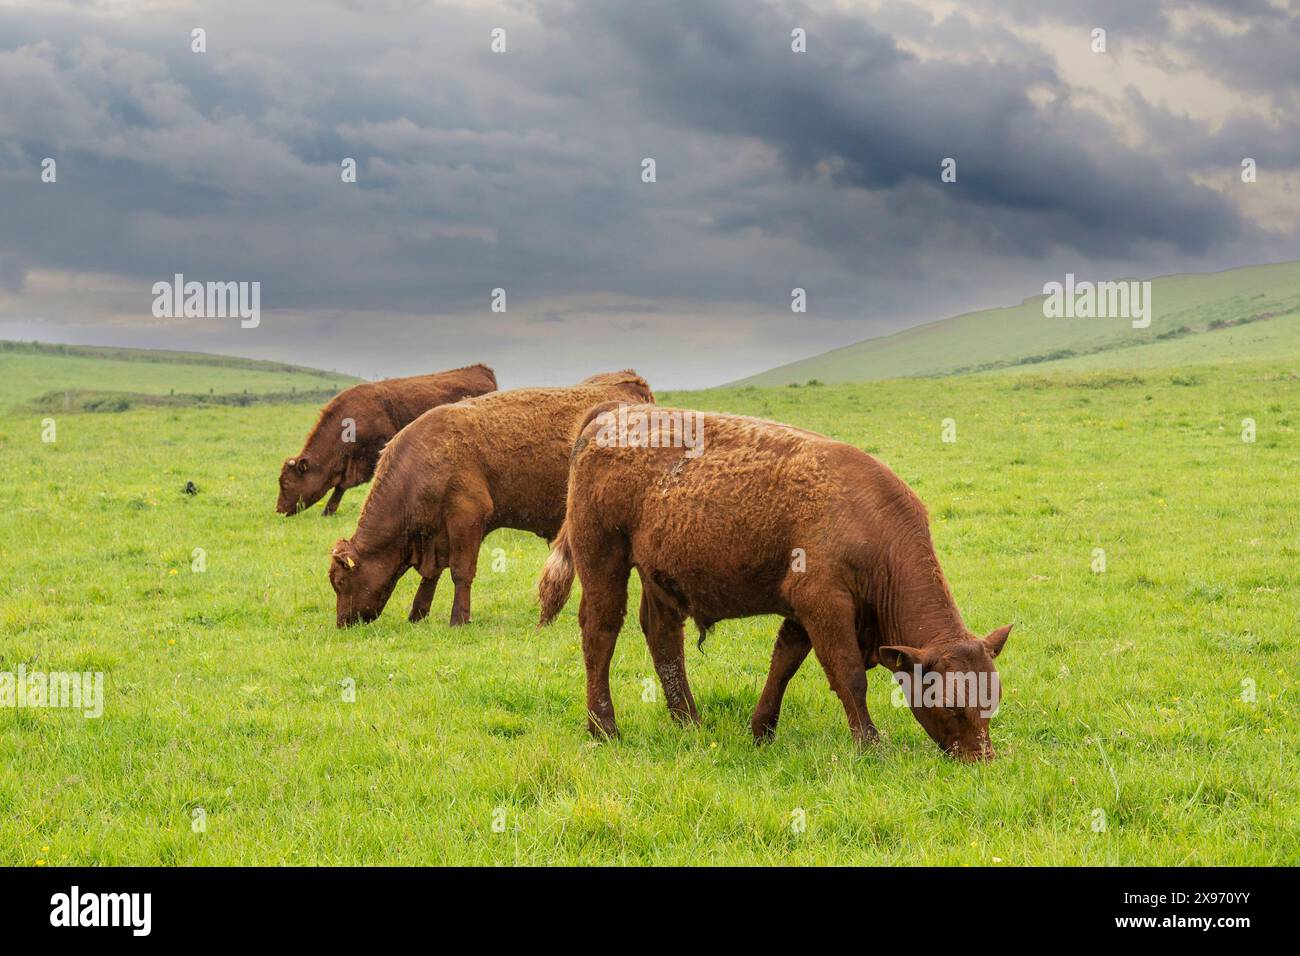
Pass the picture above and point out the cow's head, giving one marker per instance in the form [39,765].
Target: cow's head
[362,583]
[303,482]
[953,689]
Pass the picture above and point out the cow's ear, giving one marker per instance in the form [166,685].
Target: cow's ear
[900,655]
[301,465]
[342,554]
[995,641]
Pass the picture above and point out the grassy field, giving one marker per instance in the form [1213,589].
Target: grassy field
[1124,737]
[1220,317]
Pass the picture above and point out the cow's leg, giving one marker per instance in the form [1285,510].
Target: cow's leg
[430,559]
[332,505]
[834,639]
[465,534]
[600,615]
[424,595]
[792,646]
[662,624]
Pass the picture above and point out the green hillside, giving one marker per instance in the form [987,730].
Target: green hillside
[93,378]
[1241,314]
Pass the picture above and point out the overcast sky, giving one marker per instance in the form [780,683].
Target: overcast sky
[522,170]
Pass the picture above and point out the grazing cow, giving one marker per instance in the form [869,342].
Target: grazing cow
[767,519]
[353,428]
[455,474]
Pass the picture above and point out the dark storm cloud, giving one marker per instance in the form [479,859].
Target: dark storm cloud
[522,170]
[867,116]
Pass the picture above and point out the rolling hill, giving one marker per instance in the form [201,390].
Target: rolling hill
[94,378]
[1241,314]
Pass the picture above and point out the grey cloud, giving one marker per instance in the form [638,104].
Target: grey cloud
[13,275]
[876,118]
[1256,53]
[522,171]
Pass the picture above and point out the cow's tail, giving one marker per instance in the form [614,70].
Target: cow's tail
[557,577]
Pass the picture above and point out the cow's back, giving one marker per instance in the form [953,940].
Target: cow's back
[725,529]
[404,400]
[517,444]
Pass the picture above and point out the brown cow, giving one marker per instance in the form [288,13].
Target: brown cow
[768,519]
[455,474]
[353,428]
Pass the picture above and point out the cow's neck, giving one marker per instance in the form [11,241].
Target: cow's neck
[323,438]
[386,519]
[379,526]
[913,605]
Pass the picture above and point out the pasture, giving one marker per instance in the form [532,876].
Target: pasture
[1126,735]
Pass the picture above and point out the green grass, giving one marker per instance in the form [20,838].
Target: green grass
[1241,315]
[223,688]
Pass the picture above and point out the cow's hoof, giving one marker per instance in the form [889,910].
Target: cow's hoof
[869,738]
[685,718]
[763,728]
